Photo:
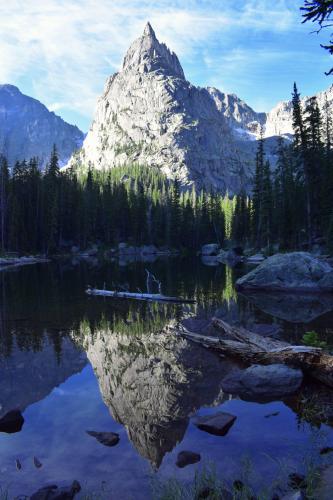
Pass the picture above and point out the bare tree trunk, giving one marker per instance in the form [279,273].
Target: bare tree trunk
[253,348]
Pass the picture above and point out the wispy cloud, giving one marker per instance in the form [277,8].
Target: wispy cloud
[61,51]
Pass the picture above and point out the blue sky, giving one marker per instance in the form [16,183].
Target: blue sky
[61,51]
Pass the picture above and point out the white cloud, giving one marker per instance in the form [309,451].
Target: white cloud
[66,48]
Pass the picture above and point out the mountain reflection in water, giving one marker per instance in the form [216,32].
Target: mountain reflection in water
[72,363]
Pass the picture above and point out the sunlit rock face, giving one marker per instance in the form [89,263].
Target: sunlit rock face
[28,129]
[152,383]
[279,121]
[29,375]
[151,115]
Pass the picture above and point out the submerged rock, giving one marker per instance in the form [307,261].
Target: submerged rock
[106,438]
[263,382]
[218,424]
[37,463]
[11,422]
[52,492]
[185,458]
[297,271]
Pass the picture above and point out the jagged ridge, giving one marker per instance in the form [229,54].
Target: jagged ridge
[151,115]
[28,128]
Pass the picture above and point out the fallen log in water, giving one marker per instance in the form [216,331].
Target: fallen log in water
[254,349]
[138,296]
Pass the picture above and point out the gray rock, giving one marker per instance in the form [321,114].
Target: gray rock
[217,424]
[210,249]
[106,438]
[150,114]
[52,492]
[185,458]
[28,128]
[263,382]
[326,282]
[296,271]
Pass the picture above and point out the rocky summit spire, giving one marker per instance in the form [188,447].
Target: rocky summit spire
[147,54]
[148,31]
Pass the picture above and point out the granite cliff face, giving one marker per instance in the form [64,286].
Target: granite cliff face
[150,114]
[152,383]
[28,128]
[279,120]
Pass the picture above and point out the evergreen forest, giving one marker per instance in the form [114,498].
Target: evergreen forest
[290,205]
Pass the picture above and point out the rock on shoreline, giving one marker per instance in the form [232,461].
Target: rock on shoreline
[296,271]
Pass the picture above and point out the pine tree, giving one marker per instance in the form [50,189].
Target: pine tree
[4,182]
[257,197]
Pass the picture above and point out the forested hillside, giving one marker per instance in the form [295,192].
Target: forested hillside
[290,207]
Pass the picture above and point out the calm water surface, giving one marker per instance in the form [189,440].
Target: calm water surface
[73,363]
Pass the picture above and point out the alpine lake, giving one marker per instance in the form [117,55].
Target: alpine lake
[73,363]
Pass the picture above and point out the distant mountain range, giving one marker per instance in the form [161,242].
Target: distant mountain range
[28,128]
[151,115]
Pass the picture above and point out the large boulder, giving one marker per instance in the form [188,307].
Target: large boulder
[210,249]
[296,271]
[263,382]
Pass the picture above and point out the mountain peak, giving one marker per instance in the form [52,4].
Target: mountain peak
[148,31]
[147,54]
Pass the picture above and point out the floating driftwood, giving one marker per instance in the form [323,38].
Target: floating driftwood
[253,348]
[151,279]
[138,296]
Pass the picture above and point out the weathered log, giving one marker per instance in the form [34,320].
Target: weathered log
[252,348]
[138,296]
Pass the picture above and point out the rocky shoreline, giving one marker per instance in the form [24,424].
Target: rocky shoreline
[6,262]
